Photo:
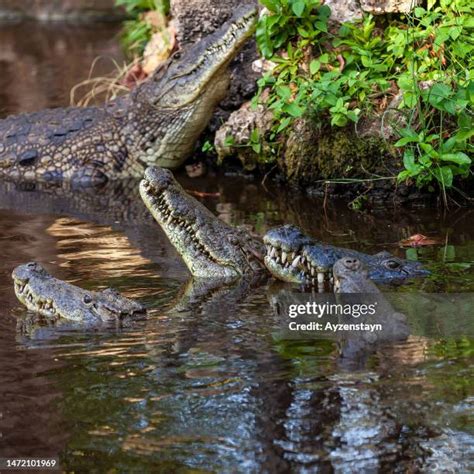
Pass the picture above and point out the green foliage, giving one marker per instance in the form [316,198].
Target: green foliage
[137,32]
[337,77]
[208,147]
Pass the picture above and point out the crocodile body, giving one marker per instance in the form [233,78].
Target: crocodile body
[157,123]
[53,298]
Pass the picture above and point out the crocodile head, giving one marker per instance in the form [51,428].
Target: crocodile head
[185,91]
[209,247]
[283,252]
[351,276]
[292,256]
[42,293]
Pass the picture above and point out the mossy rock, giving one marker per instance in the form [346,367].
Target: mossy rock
[313,154]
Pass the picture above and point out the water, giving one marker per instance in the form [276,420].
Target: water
[205,384]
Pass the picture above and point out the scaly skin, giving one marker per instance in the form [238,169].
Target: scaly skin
[53,298]
[209,247]
[294,257]
[157,123]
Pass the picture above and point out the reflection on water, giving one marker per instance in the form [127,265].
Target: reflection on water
[41,62]
[205,383]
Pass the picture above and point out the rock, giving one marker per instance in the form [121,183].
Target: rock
[342,11]
[386,123]
[232,138]
[194,20]
[379,7]
[312,154]
[80,10]
[351,10]
[161,44]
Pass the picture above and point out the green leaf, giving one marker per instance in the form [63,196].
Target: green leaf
[448,145]
[444,175]
[404,141]
[324,58]
[339,120]
[283,124]
[271,5]
[264,42]
[405,83]
[283,91]
[314,66]
[298,7]
[324,12]
[459,158]
[419,12]
[455,31]
[293,109]
[464,135]
[321,26]
[409,162]
[411,254]
[438,92]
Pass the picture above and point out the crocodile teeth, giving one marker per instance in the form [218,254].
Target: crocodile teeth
[313,271]
[296,261]
[273,252]
[320,277]
[284,256]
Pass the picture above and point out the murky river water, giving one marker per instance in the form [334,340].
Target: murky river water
[207,385]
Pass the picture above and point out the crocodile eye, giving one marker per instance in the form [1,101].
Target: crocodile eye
[392,264]
[87,299]
[177,55]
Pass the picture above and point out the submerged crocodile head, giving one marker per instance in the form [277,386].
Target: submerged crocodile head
[209,247]
[351,276]
[53,298]
[186,90]
[294,257]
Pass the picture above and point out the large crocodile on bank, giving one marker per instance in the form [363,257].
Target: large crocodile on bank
[52,298]
[157,123]
[213,249]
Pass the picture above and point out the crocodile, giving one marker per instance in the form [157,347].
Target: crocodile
[213,249]
[209,247]
[158,122]
[55,299]
[295,257]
